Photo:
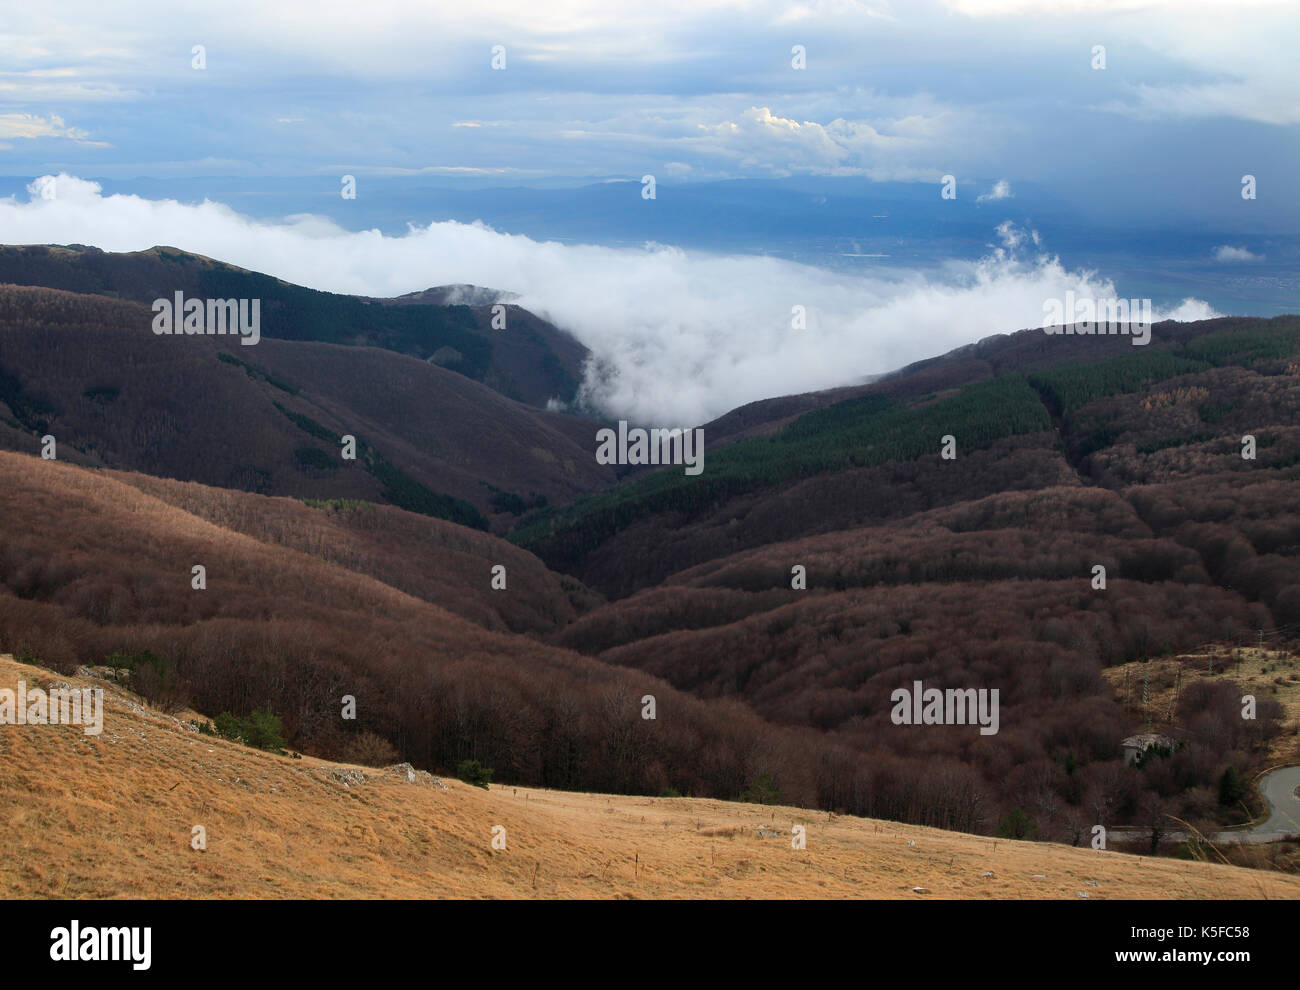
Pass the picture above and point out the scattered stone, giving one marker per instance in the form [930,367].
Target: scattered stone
[103,673]
[986,876]
[408,773]
[768,833]
[1082,893]
[347,776]
[920,890]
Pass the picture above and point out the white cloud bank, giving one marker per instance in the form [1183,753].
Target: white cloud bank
[678,337]
[1228,253]
[1001,190]
[28,126]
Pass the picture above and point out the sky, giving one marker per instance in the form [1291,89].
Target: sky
[1068,175]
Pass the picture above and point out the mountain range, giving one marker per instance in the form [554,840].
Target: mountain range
[486,590]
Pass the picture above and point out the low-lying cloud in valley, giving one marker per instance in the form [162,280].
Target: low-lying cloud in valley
[678,337]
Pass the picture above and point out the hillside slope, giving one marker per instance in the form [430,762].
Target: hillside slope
[294,614]
[828,556]
[1025,411]
[72,804]
[532,361]
[268,418]
[431,559]
[1098,511]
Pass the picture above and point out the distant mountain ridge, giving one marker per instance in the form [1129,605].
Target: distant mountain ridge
[531,361]
[270,418]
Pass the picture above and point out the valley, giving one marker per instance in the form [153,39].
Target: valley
[487,588]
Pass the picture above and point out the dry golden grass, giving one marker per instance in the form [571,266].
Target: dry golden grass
[1271,674]
[111,816]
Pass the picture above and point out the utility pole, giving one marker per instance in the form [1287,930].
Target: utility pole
[1178,685]
[1146,681]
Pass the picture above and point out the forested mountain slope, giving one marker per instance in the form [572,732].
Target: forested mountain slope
[531,361]
[269,418]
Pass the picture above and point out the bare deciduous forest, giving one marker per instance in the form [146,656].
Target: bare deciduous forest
[976,572]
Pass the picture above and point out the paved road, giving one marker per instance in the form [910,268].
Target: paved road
[1281,789]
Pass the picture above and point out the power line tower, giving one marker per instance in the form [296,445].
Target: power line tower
[1146,683]
[1178,685]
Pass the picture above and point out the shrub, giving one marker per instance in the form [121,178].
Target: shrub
[230,727]
[474,772]
[261,730]
[1231,787]
[1156,751]
[370,749]
[1017,825]
[153,678]
[761,790]
[266,731]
